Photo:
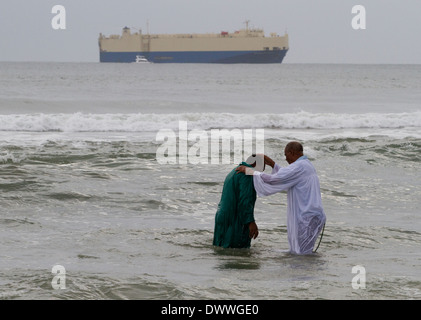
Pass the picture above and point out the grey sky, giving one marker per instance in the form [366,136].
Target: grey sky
[320,30]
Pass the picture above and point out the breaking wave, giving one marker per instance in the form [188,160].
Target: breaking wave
[140,122]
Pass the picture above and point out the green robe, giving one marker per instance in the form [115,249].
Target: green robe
[235,211]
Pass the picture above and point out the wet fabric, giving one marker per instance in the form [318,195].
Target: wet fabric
[305,214]
[235,211]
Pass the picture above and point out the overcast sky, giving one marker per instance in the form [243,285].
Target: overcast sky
[320,31]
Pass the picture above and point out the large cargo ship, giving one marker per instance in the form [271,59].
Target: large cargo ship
[243,46]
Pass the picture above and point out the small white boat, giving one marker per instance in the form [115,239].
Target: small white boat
[141,59]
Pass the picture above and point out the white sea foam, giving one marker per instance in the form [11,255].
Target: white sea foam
[9,157]
[138,122]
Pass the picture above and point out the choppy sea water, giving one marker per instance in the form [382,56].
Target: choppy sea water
[81,185]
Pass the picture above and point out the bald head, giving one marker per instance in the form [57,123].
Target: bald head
[294,146]
[293,150]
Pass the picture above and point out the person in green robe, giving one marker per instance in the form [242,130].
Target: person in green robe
[234,219]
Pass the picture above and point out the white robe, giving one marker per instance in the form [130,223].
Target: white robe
[305,215]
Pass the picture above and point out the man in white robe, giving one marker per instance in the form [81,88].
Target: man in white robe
[305,214]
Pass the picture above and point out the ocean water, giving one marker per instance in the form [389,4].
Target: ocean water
[84,186]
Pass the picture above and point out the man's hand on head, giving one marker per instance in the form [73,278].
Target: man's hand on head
[245,170]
